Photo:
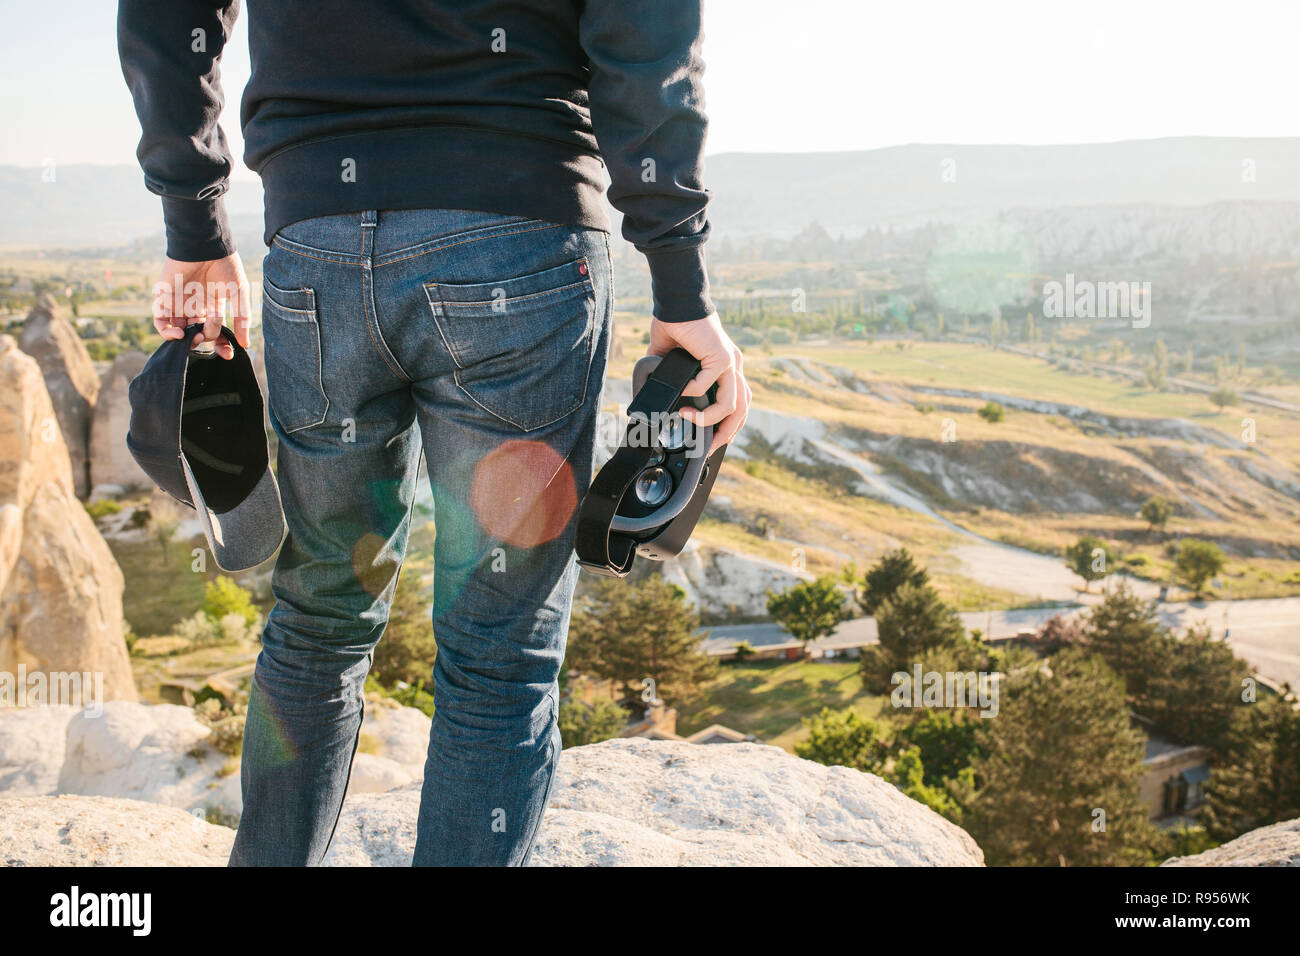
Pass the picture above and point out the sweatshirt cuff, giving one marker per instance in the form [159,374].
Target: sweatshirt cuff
[197,229]
[679,281]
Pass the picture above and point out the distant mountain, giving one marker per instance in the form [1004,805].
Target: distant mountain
[776,194]
[98,206]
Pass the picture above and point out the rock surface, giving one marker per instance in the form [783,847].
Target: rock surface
[153,752]
[31,749]
[70,379]
[392,748]
[638,802]
[106,831]
[60,587]
[1275,845]
[721,581]
[110,460]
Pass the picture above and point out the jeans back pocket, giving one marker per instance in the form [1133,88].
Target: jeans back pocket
[522,346]
[291,335]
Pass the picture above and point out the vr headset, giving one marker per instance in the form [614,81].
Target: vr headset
[650,494]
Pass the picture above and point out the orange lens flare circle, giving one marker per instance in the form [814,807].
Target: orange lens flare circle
[523,493]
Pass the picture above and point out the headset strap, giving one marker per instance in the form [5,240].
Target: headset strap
[598,549]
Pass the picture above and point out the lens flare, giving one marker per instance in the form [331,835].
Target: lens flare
[523,493]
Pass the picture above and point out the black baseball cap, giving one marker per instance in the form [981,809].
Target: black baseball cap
[197,430]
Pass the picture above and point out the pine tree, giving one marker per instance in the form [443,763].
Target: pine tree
[1059,784]
[1258,782]
[625,632]
[895,568]
[915,620]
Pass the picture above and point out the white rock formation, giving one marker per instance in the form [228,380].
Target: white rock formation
[106,831]
[721,581]
[70,379]
[394,740]
[32,749]
[152,752]
[638,802]
[60,587]
[1276,845]
[110,460]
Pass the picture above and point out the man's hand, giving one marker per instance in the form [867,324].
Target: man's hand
[190,292]
[720,361]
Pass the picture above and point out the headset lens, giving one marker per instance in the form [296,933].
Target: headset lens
[653,487]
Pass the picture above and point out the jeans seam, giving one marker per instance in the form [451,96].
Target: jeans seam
[450,245]
[368,305]
[347,778]
[552,756]
[325,255]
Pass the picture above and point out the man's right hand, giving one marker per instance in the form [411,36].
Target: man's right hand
[721,361]
[191,292]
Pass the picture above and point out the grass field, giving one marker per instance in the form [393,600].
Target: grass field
[770,698]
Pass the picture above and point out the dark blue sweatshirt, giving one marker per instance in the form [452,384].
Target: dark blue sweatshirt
[508,106]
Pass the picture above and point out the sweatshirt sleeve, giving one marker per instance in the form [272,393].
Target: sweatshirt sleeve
[646,96]
[170,52]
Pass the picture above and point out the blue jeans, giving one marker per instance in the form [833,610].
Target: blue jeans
[482,339]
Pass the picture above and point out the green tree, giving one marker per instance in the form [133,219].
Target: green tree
[992,412]
[1197,562]
[1258,780]
[810,609]
[1223,397]
[908,773]
[626,631]
[406,651]
[163,527]
[1156,512]
[948,741]
[883,579]
[1061,762]
[916,620]
[842,738]
[1125,630]
[222,596]
[582,723]
[1087,558]
[1194,693]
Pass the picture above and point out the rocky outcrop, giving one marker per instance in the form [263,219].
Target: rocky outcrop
[161,753]
[1276,845]
[152,752]
[60,588]
[31,749]
[106,831]
[392,748]
[111,463]
[639,802]
[722,582]
[70,379]
[130,775]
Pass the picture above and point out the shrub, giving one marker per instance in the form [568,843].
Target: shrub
[222,597]
[103,508]
[582,723]
[235,628]
[1156,512]
[992,412]
[199,629]
[1197,562]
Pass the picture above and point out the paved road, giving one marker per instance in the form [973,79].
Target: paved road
[1264,632]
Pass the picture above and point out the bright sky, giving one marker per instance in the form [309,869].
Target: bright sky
[803,76]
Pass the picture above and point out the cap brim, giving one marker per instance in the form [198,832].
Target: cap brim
[248,534]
